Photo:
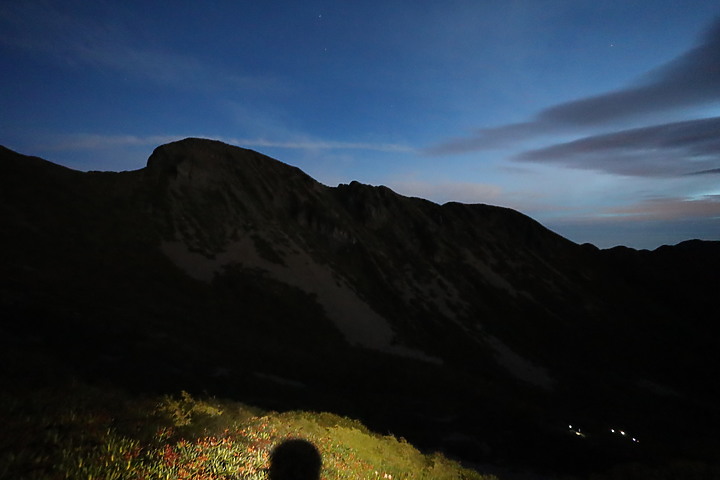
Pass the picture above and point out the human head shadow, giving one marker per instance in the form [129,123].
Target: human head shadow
[295,459]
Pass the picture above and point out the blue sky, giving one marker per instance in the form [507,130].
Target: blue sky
[599,119]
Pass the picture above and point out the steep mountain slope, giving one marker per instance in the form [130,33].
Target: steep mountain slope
[470,328]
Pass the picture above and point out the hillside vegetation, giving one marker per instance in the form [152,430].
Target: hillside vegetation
[89,433]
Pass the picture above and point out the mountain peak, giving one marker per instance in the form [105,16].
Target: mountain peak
[198,163]
[211,156]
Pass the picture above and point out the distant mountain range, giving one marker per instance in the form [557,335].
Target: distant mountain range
[467,328]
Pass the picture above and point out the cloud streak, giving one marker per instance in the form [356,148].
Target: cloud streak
[665,209]
[322,145]
[692,79]
[679,148]
[466,192]
[84,142]
[42,28]
[100,142]
[646,224]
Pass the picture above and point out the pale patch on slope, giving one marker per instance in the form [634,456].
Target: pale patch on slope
[488,274]
[519,367]
[356,320]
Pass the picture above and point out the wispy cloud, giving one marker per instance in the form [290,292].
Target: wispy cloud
[712,171]
[692,79]
[664,209]
[646,224]
[658,209]
[441,192]
[99,142]
[101,42]
[85,141]
[321,145]
[679,148]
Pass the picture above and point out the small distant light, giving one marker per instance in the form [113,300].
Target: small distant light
[612,430]
[635,440]
[578,433]
[622,433]
[570,427]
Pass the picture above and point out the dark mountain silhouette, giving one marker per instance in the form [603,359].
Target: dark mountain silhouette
[467,328]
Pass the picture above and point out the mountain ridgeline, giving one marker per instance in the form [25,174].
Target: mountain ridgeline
[467,328]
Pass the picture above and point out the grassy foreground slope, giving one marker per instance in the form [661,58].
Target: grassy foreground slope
[87,433]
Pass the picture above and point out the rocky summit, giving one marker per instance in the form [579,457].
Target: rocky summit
[470,329]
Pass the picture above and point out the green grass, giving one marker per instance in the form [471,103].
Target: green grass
[88,433]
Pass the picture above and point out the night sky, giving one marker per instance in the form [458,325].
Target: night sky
[600,119]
